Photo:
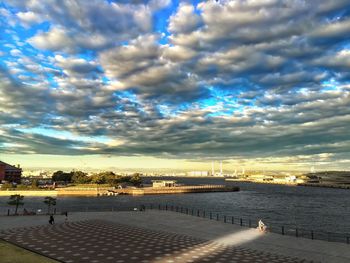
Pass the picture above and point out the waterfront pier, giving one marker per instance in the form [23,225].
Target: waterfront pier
[160,236]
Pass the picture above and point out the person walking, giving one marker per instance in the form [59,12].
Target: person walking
[66,214]
[51,220]
[261,226]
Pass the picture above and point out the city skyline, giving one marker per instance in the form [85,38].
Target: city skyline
[165,84]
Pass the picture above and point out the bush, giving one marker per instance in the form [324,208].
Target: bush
[7,186]
[23,187]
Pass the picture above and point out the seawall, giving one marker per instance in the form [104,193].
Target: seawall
[28,192]
[98,191]
[175,190]
[83,191]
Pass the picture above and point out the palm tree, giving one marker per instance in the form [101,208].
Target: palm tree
[50,201]
[16,200]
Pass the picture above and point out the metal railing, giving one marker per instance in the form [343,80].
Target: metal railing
[253,223]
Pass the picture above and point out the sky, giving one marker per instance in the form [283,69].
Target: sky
[260,84]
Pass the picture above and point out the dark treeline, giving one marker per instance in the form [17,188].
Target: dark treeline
[79,177]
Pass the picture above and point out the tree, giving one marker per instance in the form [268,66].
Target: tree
[35,183]
[80,177]
[60,176]
[109,177]
[103,178]
[16,200]
[49,201]
[136,180]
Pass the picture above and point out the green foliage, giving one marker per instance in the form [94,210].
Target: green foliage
[16,200]
[103,178]
[23,187]
[107,177]
[35,183]
[136,180]
[98,179]
[60,176]
[49,201]
[7,186]
[79,177]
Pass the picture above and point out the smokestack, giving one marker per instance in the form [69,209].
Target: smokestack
[212,169]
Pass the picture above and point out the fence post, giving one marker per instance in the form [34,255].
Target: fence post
[312,234]
[224,219]
[203,213]
[158,207]
[282,230]
[210,215]
[241,221]
[217,217]
[186,211]
[166,207]
[233,220]
[197,212]
[296,232]
[192,212]
[177,209]
[8,212]
[181,209]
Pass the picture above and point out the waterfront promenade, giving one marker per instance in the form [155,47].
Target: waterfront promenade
[161,236]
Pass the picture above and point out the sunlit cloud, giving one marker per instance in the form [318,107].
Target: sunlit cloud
[240,81]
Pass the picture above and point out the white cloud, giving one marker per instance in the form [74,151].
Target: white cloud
[185,20]
[29,18]
[15,52]
[332,29]
[55,39]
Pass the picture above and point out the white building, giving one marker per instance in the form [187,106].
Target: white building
[164,183]
[198,173]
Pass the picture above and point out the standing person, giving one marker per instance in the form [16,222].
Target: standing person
[66,214]
[51,220]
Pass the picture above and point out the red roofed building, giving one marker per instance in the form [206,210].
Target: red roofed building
[10,173]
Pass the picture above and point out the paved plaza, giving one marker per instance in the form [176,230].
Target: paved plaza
[160,236]
[104,241]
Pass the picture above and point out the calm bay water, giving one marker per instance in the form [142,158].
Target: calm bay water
[319,209]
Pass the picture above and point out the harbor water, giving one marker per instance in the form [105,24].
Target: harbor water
[311,208]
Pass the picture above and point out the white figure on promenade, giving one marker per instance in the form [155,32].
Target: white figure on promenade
[261,226]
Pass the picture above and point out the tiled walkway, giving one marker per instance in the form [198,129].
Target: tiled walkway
[104,241]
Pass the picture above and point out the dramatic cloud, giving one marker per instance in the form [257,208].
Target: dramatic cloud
[243,79]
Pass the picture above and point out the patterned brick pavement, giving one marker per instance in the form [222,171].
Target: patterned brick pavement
[104,241]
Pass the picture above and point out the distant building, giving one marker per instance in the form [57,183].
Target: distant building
[164,183]
[291,179]
[10,173]
[198,173]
